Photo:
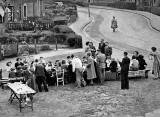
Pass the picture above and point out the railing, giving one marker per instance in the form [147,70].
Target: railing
[28,26]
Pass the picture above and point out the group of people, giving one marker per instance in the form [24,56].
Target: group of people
[89,69]
[104,62]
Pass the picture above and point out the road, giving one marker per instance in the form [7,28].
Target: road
[133,30]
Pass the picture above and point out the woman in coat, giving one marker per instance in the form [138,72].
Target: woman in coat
[91,73]
[156,63]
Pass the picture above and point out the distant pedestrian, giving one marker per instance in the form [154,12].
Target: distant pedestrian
[124,71]
[114,24]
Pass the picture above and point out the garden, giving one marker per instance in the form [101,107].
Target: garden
[45,33]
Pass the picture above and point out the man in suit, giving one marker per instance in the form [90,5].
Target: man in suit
[101,65]
[41,77]
[124,71]
[102,46]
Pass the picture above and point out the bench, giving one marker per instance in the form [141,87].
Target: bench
[139,73]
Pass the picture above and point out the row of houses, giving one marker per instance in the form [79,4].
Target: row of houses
[15,10]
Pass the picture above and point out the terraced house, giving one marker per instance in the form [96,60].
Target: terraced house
[16,10]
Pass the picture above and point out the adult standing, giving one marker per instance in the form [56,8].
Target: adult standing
[101,46]
[93,49]
[87,48]
[101,65]
[41,77]
[156,62]
[91,73]
[107,50]
[114,24]
[124,71]
[78,69]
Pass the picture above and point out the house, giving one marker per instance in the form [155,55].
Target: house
[16,10]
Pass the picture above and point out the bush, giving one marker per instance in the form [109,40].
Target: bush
[24,48]
[123,5]
[73,18]
[81,3]
[71,42]
[75,41]
[79,42]
[156,10]
[45,47]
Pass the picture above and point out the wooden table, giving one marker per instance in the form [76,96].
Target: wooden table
[19,91]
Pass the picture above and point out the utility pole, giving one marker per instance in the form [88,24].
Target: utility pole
[89,14]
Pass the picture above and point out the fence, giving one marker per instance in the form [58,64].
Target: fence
[28,26]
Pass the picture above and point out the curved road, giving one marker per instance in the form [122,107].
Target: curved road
[134,30]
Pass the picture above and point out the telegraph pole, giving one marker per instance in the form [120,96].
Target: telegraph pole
[89,14]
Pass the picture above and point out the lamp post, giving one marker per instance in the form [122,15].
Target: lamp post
[89,14]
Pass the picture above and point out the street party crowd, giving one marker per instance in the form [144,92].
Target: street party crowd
[88,70]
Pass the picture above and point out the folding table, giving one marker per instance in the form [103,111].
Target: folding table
[19,92]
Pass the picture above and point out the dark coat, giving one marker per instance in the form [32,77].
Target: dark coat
[113,66]
[125,65]
[40,71]
[101,47]
[108,51]
[142,64]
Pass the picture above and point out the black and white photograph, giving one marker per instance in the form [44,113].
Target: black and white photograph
[79,58]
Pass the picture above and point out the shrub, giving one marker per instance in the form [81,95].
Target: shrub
[82,3]
[75,41]
[71,42]
[73,18]
[45,47]
[123,5]
[79,42]
[25,48]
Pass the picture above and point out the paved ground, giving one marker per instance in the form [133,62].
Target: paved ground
[100,101]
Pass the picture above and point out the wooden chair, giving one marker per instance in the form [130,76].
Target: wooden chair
[60,77]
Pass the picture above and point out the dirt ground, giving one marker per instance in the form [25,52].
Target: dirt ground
[90,101]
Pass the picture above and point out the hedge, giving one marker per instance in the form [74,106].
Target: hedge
[24,48]
[123,5]
[45,47]
[75,41]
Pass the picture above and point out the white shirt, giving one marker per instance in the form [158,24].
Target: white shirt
[76,63]
[134,63]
